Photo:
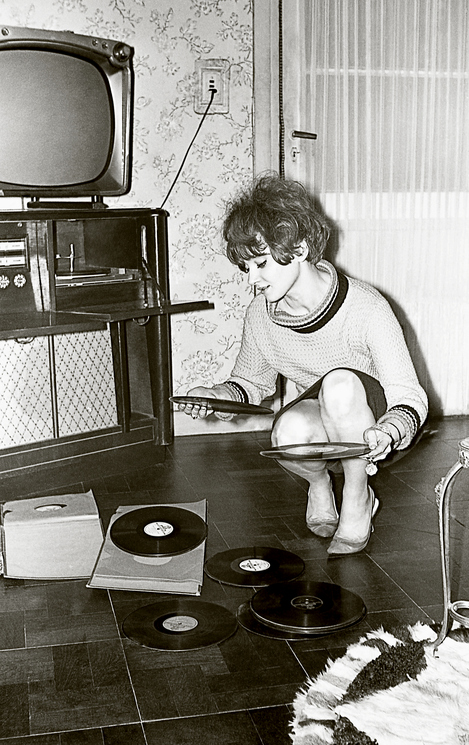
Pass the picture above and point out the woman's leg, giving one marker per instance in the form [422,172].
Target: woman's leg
[300,424]
[340,414]
[346,415]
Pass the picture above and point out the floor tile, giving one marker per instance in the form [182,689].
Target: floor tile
[82,737]
[223,729]
[272,724]
[127,734]
[33,740]
[64,687]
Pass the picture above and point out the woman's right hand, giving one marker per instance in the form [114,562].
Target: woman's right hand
[198,411]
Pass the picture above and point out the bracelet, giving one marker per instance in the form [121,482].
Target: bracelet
[238,390]
[406,417]
[384,427]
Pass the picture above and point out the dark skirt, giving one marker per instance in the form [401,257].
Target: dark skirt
[374,394]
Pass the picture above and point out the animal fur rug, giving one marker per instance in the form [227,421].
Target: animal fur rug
[389,689]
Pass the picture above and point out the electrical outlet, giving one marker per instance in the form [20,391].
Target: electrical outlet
[212,74]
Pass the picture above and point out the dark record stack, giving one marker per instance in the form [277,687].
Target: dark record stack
[300,610]
[284,607]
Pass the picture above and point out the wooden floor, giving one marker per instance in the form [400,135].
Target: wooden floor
[68,675]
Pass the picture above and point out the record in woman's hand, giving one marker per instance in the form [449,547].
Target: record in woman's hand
[317,451]
[226,406]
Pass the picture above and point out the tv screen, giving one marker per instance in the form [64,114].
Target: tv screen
[65,114]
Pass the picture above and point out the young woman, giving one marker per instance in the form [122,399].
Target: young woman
[335,337]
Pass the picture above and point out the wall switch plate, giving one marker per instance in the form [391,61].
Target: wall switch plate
[212,74]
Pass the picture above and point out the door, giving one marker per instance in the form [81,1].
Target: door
[384,84]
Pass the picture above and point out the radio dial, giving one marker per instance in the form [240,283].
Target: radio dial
[19,280]
[4,281]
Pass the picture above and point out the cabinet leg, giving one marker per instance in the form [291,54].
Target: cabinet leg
[121,372]
[159,362]
[53,386]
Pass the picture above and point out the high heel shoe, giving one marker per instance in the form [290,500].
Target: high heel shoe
[323,528]
[326,527]
[344,546]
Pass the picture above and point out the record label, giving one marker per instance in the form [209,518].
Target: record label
[307,607]
[307,602]
[179,624]
[255,566]
[158,531]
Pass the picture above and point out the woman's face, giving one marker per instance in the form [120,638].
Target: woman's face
[274,280]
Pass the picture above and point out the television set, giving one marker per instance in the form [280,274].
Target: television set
[65,116]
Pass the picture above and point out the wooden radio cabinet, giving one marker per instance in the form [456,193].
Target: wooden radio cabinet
[68,270]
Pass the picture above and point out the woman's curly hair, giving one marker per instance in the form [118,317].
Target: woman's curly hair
[277,212]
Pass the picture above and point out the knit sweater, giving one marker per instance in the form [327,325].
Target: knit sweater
[353,327]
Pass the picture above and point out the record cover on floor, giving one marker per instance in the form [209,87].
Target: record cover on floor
[119,569]
[50,537]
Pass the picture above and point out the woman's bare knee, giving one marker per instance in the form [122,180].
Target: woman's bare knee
[342,394]
[301,423]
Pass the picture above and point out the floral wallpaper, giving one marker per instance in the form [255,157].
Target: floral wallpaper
[168,37]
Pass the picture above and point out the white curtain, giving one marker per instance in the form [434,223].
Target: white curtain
[385,86]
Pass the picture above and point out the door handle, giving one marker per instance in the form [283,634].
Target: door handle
[304,135]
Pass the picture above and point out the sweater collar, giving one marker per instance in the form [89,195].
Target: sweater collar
[320,315]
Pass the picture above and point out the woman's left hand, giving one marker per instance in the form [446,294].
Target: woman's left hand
[379,442]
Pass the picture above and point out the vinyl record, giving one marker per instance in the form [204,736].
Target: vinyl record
[307,607]
[254,567]
[317,451]
[247,620]
[179,624]
[223,405]
[158,531]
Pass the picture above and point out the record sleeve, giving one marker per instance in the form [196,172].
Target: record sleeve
[52,537]
[116,569]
